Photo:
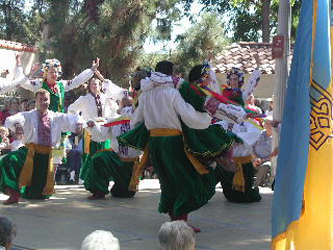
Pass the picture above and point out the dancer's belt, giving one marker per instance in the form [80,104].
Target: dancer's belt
[160,132]
[27,170]
[239,180]
[87,141]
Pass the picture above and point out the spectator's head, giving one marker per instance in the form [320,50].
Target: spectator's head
[52,70]
[100,240]
[31,104]
[14,104]
[94,86]
[126,101]
[3,132]
[271,102]
[251,99]
[235,78]
[19,133]
[166,68]
[268,121]
[4,73]
[24,105]
[176,235]
[42,98]
[257,102]
[7,232]
[200,74]
[137,77]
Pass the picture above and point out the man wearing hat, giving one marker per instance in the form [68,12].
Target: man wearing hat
[262,152]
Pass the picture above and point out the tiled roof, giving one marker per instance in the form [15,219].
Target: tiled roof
[239,55]
[17,46]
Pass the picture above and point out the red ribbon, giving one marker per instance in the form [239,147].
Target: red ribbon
[110,124]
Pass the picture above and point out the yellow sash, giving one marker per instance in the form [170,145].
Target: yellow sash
[239,181]
[138,169]
[27,170]
[87,139]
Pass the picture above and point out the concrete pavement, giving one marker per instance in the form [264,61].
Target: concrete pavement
[63,221]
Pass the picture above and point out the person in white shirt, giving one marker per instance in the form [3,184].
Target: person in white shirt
[30,170]
[184,187]
[238,187]
[18,139]
[95,105]
[116,163]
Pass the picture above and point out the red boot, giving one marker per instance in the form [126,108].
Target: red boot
[195,229]
[14,196]
[183,217]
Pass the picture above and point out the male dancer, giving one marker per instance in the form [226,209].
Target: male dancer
[29,171]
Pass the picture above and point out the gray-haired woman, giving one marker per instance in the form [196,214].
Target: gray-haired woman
[7,233]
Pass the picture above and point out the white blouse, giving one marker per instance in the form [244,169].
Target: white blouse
[113,91]
[251,85]
[103,133]
[228,112]
[34,85]
[87,106]
[247,132]
[29,121]
[163,107]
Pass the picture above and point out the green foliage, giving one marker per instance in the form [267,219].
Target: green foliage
[245,17]
[12,20]
[202,39]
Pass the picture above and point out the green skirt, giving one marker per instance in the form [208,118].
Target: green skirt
[137,138]
[226,178]
[10,168]
[106,165]
[87,158]
[206,143]
[183,189]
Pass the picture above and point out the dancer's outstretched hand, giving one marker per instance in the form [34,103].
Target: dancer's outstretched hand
[95,64]
[91,124]
[258,62]
[18,59]
[79,128]
[36,67]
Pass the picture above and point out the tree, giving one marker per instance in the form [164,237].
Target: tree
[198,42]
[113,30]
[251,20]
[12,20]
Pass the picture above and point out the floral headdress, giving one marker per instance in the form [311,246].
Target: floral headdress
[52,63]
[205,72]
[239,73]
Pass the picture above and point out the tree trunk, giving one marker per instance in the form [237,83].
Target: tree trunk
[265,21]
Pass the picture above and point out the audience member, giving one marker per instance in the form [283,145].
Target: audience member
[24,105]
[100,240]
[262,152]
[7,233]
[251,104]
[13,108]
[18,138]
[176,235]
[74,158]
[4,141]
[31,105]
[269,112]
[4,73]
